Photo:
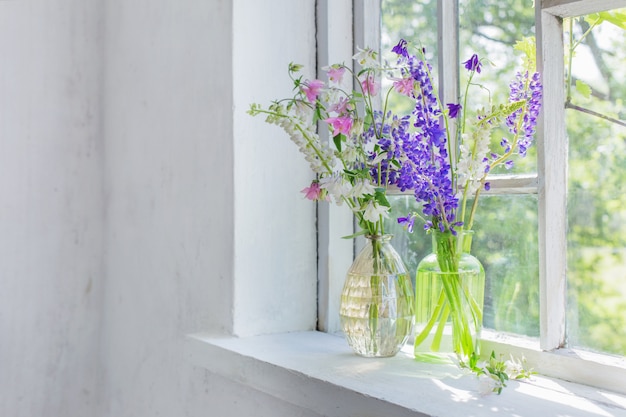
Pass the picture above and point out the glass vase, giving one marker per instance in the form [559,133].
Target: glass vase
[449,295]
[377,300]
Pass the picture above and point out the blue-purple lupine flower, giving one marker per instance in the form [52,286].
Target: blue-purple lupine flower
[473,64]
[428,170]
[391,134]
[533,95]
[453,110]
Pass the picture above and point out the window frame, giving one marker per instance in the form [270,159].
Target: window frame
[548,355]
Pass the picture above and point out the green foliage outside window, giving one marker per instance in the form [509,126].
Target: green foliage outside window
[506,237]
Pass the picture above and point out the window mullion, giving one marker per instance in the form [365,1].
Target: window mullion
[448,53]
[334,44]
[552,170]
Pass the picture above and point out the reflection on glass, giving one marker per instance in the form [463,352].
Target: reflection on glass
[596,192]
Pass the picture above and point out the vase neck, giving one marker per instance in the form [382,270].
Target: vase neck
[462,241]
[379,238]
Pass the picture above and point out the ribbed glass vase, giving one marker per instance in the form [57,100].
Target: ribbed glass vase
[449,295]
[377,300]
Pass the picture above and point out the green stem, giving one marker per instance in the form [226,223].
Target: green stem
[419,339]
[435,345]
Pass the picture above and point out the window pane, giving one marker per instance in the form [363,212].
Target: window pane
[490,28]
[505,242]
[596,191]
[415,21]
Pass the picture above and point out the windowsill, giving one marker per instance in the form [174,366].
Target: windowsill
[318,372]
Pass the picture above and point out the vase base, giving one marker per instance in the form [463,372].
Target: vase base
[435,357]
[376,356]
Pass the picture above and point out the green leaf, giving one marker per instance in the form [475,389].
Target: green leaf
[338,139]
[362,232]
[381,198]
[583,88]
[593,19]
[615,17]
[528,47]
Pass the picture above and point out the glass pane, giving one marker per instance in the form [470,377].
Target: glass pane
[490,28]
[414,21]
[596,188]
[506,226]
[505,242]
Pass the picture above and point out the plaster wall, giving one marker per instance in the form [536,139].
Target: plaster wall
[195,215]
[140,203]
[51,207]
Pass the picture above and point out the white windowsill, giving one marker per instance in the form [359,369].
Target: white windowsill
[318,372]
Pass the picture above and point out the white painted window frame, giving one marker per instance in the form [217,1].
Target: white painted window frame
[548,355]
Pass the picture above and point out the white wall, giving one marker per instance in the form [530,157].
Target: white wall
[140,203]
[275,250]
[51,207]
[202,199]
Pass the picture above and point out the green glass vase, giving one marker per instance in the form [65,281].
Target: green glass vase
[376,309]
[449,296]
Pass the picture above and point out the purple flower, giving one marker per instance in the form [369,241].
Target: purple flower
[400,48]
[473,64]
[407,222]
[453,110]
[427,169]
[533,95]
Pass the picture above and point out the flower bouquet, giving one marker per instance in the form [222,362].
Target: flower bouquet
[372,150]
[445,185]
[355,168]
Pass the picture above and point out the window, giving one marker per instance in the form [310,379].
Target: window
[567,248]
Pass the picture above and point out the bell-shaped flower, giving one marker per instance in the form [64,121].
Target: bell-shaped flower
[340,125]
[335,73]
[473,64]
[367,58]
[373,211]
[370,85]
[362,188]
[312,192]
[311,89]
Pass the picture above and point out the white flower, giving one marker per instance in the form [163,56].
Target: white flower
[515,367]
[486,385]
[336,186]
[373,211]
[361,188]
[367,58]
[304,112]
[473,163]
[379,158]
[349,154]
[357,127]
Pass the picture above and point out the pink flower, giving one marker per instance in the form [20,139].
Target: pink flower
[313,192]
[340,125]
[370,86]
[335,74]
[340,107]
[404,86]
[312,89]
